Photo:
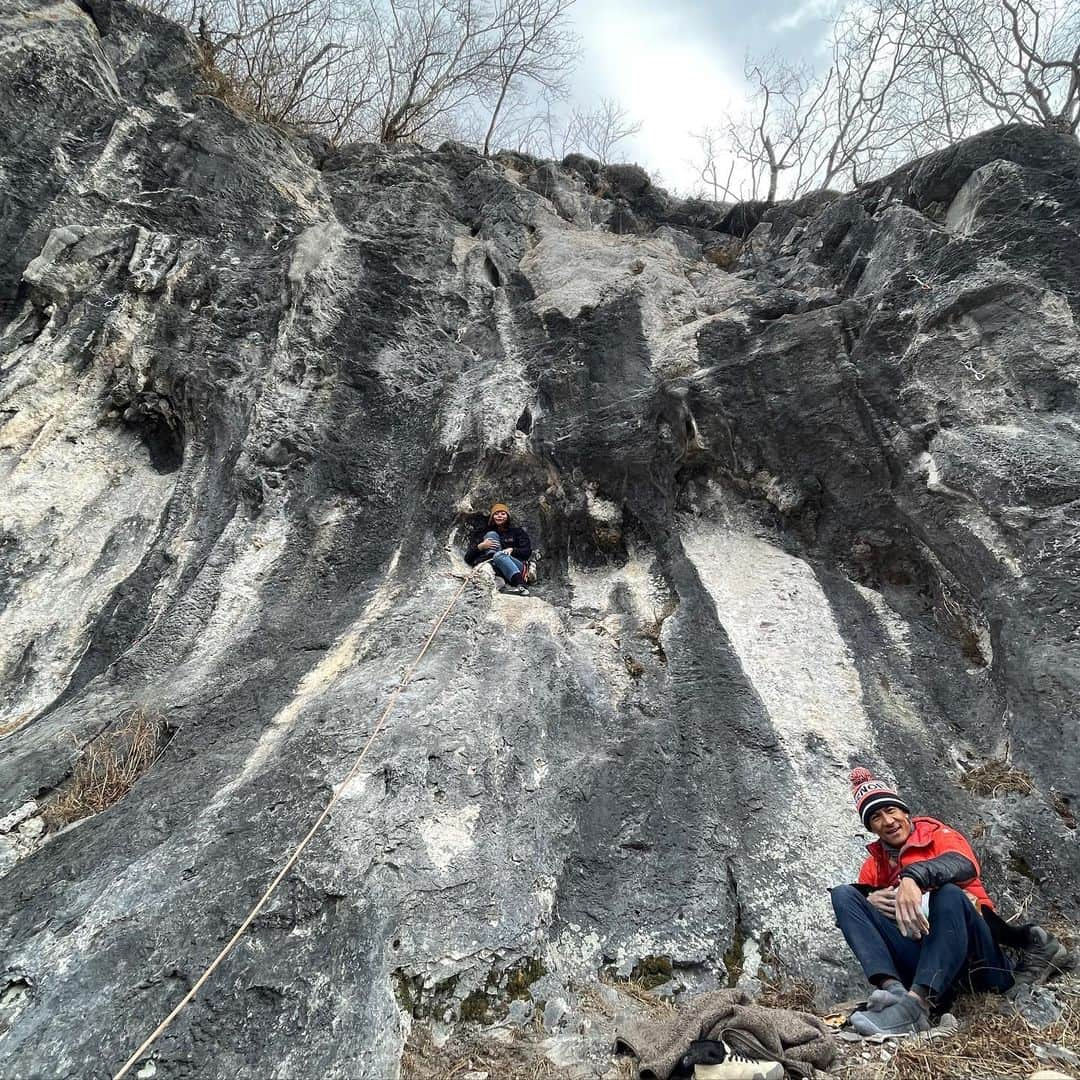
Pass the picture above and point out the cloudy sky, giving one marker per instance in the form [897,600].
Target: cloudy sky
[677,65]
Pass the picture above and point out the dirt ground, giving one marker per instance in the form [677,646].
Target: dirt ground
[989,1045]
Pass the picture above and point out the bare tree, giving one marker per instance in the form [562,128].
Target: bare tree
[546,130]
[536,47]
[905,77]
[600,130]
[437,54]
[387,69]
[713,147]
[869,114]
[1020,60]
[296,62]
[839,126]
[784,126]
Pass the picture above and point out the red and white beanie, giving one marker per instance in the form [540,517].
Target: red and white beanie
[871,795]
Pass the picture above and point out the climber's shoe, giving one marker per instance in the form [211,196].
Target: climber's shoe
[905,1016]
[516,590]
[736,1067]
[531,568]
[1044,958]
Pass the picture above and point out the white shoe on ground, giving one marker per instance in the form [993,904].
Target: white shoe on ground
[737,1067]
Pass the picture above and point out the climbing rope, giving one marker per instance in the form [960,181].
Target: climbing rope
[283,872]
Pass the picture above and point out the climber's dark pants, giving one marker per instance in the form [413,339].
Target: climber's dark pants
[959,947]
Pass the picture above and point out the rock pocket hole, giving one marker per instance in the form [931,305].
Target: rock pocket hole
[109,766]
[1063,808]
[1019,865]
[491,272]
[13,999]
[152,418]
[525,420]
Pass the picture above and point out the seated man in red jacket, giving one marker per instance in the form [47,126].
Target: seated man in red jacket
[920,921]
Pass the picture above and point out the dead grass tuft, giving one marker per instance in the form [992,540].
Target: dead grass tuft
[640,993]
[725,254]
[797,994]
[990,1046]
[223,86]
[517,1058]
[995,777]
[9,727]
[108,768]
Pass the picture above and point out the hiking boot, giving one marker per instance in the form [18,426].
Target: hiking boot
[516,590]
[1044,958]
[736,1067]
[905,1016]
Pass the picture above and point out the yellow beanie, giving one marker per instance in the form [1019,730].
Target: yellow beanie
[498,506]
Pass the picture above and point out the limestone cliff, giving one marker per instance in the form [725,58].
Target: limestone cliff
[806,501]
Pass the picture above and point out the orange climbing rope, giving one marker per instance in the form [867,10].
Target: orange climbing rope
[253,913]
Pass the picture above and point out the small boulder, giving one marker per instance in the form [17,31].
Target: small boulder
[1036,1004]
[555,1013]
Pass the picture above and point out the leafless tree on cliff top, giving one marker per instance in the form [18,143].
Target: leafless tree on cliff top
[712,156]
[905,77]
[1019,59]
[439,55]
[387,69]
[784,126]
[599,131]
[536,47]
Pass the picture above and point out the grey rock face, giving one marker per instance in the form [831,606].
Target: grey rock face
[817,512]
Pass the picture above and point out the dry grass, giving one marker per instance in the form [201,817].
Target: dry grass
[724,255]
[995,777]
[989,1046]
[797,994]
[512,1053]
[218,84]
[518,1058]
[108,768]
[641,995]
[9,727]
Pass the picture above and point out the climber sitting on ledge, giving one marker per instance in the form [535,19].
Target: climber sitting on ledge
[507,546]
[920,922]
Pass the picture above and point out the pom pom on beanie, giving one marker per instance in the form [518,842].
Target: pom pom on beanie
[871,795]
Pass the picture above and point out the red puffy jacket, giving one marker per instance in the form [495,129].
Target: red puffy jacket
[928,839]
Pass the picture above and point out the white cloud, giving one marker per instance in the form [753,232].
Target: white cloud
[804,12]
[666,75]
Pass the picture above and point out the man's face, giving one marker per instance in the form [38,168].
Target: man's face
[500,517]
[892,824]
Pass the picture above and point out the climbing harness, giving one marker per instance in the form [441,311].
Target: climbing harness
[297,851]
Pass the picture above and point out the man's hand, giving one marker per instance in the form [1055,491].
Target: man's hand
[909,916]
[884,900]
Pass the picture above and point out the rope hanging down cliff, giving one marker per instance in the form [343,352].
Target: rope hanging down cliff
[283,872]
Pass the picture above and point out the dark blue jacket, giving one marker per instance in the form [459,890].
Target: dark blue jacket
[509,534]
